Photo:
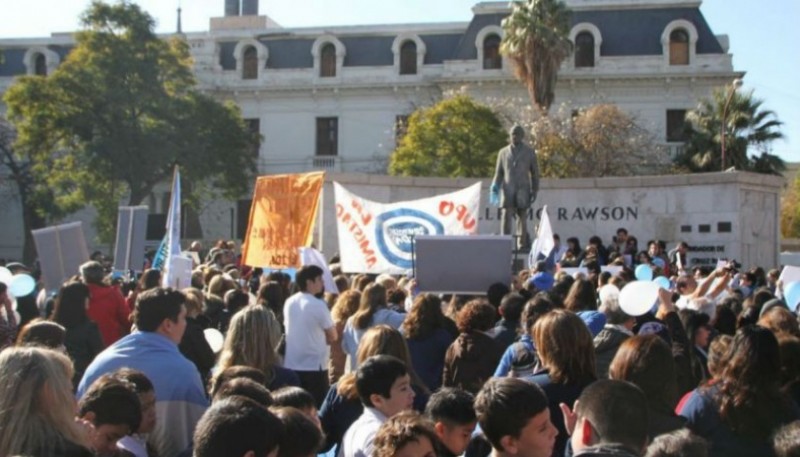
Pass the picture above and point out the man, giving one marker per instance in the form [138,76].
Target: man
[238,427]
[160,318]
[677,258]
[107,307]
[309,333]
[618,328]
[112,410]
[515,185]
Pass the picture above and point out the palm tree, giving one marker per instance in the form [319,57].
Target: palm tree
[537,41]
[747,127]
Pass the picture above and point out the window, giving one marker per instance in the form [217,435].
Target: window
[250,65]
[676,121]
[584,50]
[679,47]
[327,136]
[327,68]
[408,58]
[254,126]
[40,65]
[400,127]
[492,60]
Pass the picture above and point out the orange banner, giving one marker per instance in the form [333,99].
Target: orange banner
[281,219]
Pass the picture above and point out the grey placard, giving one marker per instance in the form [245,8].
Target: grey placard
[466,264]
[62,249]
[131,231]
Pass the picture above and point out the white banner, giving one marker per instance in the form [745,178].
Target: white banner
[378,237]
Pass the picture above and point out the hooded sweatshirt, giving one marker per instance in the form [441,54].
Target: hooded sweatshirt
[470,361]
[107,308]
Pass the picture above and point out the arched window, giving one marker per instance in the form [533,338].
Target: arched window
[584,50]
[327,67]
[250,64]
[679,47]
[40,65]
[408,58]
[492,60]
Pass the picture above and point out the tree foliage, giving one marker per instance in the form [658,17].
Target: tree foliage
[119,112]
[537,42]
[749,131]
[456,137]
[790,209]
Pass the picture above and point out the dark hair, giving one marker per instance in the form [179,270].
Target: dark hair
[786,441]
[113,402]
[646,361]
[139,380]
[233,372]
[537,307]
[296,397]
[425,317]
[70,305]
[271,295]
[301,437]
[451,406]
[235,300]
[748,316]
[39,332]
[495,294]
[677,444]
[244,387]
[790,361]
[400,430]
[155,305]
[235,426]
[617,410]
[150,279]
[511,306]
[377,375]
[305,274]
[724,320]
[477,315]
[505,405]
[582,296]
[576,250]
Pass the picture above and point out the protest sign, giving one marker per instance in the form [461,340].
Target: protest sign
[62,249]
[131,229]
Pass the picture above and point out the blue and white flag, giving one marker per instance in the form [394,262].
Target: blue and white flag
[172,239]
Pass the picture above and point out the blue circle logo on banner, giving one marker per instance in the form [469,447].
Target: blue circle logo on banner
[395,231]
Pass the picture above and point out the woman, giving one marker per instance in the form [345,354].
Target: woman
[194,345]
[521,359]
[37,408]
[582,297]
[342,405]
[566,352]
[346,305]
[82,339]
[372,311]
[781,321]
[428,335]
[248,343]
[646,361]
[739,414]
[150,279]
[472,358]
[271,296]
[698,331]
[572,256]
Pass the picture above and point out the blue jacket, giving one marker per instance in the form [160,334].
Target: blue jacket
[427,356]
[180,397]
[507,362]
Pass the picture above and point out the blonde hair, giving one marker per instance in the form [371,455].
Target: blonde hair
[249,342]
[37,407]
[346,305]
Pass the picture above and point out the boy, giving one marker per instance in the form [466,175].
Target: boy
[298,398]
[514,417]
[384,387]
[406,435]
[237,426]
[112,409]
[453,419]
[136,443]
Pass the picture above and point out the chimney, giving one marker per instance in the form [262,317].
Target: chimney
[231,8]
[249,7]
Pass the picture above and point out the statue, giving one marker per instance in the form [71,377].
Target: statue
[515,185]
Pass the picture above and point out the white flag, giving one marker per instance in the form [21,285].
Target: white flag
[544,239]
[173,236]
[310,256]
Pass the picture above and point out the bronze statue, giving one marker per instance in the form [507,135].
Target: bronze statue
[515,185]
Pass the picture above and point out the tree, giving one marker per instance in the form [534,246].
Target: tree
[747,128]
[537,42]
[790,210]
[120,111]
[456,137]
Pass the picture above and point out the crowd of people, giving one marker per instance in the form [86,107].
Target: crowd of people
[543,365]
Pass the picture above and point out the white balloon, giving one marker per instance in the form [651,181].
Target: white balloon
[21,285]
[637,297]
[5,275]
[214,338]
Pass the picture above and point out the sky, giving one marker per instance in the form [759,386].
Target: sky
[762,34]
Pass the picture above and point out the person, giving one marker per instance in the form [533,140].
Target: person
[521,359]
[239,427]
[248,343]
[515,185]
[136,443]
[8,323]
[619,327]
[160,319]
[677,257]
[506,331]
[346,305]
[786,441]
[301,436]
[82,339]
[107,307]
[514,417]
[40,332]
[296,397]
[473,356]
[309,332]
[453,418]
[677,444]
[113,410]
[740,412]
[234,300]
[372,311]
[243,387]
[384,388]
[610,420]
[407,434]
[235,372]
[194,345]
[37,407]
[567,354]
[428,334]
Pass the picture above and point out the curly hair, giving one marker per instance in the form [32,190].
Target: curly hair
[425,317]
[565,347]
[346,305]
[477,315]
[400,430]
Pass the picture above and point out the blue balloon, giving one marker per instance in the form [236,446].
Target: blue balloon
[644,273]
[659,262]
[21,285]
[791,294]
[662,282]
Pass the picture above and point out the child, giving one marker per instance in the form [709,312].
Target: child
[136,444]
[299,398]
[112,409]
[301,437]
[384,388]
[453,418]
[405,435]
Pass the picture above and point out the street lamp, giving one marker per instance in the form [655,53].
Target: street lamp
[737,83]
